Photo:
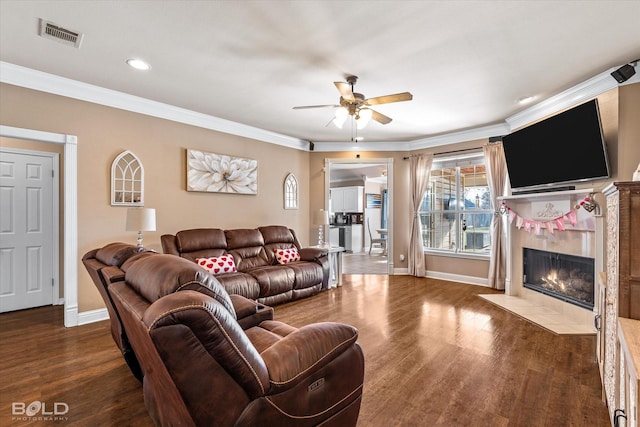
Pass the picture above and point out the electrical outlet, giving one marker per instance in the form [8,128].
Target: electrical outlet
[401,257]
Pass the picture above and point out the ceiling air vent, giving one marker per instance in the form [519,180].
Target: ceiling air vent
[49,30]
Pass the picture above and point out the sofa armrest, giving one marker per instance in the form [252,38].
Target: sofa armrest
[313,254]
[305,351]
[90,255]
[112,274]
[249,312]
[320,256]
[169,245]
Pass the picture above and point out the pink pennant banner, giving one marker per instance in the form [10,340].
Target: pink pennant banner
[549,225]
[558,223]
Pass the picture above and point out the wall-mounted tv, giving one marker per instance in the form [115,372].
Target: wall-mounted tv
[563,149]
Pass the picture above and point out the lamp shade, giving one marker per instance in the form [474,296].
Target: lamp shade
[141,219]
[321,217]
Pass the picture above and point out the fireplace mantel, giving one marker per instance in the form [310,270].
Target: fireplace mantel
[549,196]
[583,239]
[546,206]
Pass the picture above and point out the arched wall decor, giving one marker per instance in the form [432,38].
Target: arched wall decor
[291,192]
[127,180]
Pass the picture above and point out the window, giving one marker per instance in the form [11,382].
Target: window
[456,209]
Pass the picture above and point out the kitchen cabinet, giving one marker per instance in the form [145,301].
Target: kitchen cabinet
[347,199]
[348,236]
[334,236]
[356,238]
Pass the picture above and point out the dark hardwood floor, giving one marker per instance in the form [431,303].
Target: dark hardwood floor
[435,354]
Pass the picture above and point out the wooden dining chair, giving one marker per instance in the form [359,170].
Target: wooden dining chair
[382,242]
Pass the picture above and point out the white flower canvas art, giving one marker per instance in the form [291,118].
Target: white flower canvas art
[219,173]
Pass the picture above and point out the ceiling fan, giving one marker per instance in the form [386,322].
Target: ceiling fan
[356,105]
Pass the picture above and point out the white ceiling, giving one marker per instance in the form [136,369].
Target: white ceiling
[466,62]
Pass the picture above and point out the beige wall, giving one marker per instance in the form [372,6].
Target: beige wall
[629,133]
[161,145]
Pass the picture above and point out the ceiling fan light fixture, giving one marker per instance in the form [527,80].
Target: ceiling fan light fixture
[363,116]
[357,105]
[340,117]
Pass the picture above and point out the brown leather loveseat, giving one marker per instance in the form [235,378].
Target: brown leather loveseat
[259,275]
[201,368]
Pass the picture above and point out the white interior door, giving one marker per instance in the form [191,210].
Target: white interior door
[26,230]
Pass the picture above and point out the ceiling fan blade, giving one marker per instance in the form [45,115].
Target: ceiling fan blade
[396,97]
[302,107]
[380,118]
[345,90]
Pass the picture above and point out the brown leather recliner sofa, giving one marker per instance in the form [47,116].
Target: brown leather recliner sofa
[259,276]
[201,368]
[104,267]
[109,264]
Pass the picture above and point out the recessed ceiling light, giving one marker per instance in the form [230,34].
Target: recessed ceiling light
[526,99]
[138,64]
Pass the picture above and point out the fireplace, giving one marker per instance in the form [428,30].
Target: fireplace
[569,278]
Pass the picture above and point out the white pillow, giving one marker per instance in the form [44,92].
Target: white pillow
[285,256]
[218,264]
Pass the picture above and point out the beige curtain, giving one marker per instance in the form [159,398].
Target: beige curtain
[497,181]
[419,171]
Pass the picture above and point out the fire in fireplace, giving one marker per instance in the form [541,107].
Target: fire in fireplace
[567,277]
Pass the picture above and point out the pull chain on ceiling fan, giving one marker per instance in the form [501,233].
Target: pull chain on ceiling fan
[357,106]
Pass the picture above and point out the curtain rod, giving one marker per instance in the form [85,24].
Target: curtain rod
[449,152]
[491,141]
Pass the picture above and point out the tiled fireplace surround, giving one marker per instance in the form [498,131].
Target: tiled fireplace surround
[584,239]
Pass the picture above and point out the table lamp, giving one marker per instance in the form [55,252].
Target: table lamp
[141,219]
[321,219]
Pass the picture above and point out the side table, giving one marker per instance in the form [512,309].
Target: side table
[335,264]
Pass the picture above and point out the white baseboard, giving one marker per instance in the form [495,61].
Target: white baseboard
[92,316]
[480,281]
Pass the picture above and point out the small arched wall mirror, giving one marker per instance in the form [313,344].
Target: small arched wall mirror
[290,192]
[127,180]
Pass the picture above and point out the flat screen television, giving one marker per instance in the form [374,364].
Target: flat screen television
[563,149]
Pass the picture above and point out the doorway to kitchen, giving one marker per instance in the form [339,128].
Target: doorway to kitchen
[359,199]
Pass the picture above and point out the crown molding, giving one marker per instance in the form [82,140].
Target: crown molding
[32,79]
[483,132]
[573,96]
[361,146]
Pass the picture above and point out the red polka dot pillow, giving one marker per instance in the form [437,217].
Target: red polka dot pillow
[285,256]
[218,265]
